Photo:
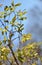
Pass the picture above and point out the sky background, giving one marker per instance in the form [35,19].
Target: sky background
[33,24]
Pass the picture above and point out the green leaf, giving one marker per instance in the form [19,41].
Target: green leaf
[13,19]
[21,25]
[4,30]
[23,18]
[20,59]
[6,21]
[21,13]
[11,34]
[4,39]
[2,33]
[6,27]
[0,29]
[2,14]
[21,28]
[6,8]
[11,8]
[0,42]
[18,4]
[12,3]
[12,23]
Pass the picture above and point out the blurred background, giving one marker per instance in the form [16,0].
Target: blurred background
[33,24]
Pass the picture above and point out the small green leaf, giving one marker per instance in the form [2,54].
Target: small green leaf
[21,28]
[12,23]
[14,18]
[18,4]
[20,59]
[4,39]
[12,3]
[11,34]
[2,33]
[6,27]
[6,8]
[0,29]
[21,25]
[23,18]
[11,8]
[21,13]
[0,42]
[6,21]
[2,14]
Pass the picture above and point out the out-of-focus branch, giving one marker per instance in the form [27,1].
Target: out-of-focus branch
[13,54]
[1,5]
[15,38]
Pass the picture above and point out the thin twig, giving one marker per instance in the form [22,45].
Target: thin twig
[4,26]
[15,38]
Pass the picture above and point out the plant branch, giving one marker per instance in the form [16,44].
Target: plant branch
[4,26]
[15,38]
[13,54]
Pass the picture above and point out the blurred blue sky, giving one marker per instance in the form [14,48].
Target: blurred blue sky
[33,24]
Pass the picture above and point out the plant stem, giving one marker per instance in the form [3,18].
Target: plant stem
[13,54]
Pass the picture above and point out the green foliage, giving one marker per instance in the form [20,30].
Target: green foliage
[9,28]
[3,52]
[31,52]
[25,37]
